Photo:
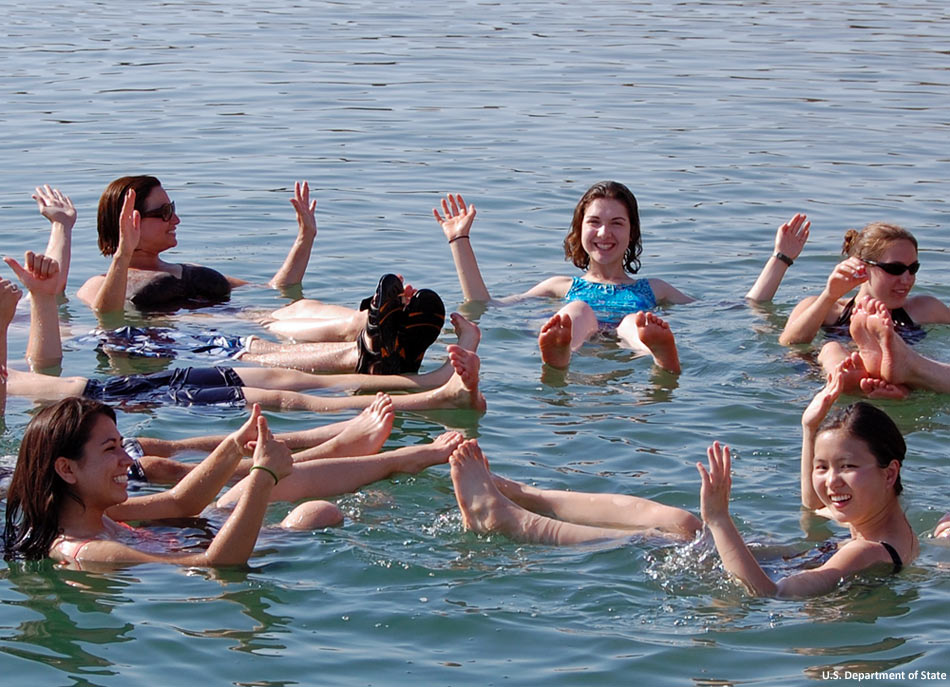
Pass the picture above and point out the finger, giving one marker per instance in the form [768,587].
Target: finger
[461,202]
[438,217]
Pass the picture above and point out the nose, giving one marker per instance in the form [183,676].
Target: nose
[125,460]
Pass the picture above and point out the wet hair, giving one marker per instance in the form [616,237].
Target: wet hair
[875,428]
[613,190]
[110,207]
[871,242]
[36,491]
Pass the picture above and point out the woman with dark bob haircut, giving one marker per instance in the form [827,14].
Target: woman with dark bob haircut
[137,222]
[850,473]
[604,241]
[68,498]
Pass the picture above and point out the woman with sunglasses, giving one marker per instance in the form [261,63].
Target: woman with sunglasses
[881,261]
[137,223]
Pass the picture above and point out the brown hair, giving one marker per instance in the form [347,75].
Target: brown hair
[613,190]
[110,207]
[36,491]
[876,429]
[871,242]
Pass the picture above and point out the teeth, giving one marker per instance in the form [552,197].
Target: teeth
[839,498]
[121,479]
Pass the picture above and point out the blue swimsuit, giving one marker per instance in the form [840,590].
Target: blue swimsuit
[612,302]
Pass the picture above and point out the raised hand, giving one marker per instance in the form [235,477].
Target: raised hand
[246,435]
[305,208]
[716,484]
[846,275]
[791,236]
[130,222]
[458,219]
[55,205]
[272,453]
[824,399]
[38,273]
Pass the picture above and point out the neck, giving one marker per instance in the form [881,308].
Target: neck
[143,260]
[607,274]
[883,524]
[80,522]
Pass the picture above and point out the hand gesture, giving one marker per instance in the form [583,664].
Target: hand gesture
[824,399]
[846,275]
[270,452]
[716,483]
[55,206]
[38,275]
[305,208]
[130,223]
[791,236]
[458,217]
[246,435]
[9,296]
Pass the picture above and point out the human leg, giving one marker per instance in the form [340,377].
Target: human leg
[645,331]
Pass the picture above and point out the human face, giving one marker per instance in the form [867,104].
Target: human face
[101,474]
[605,231]
[893,290]
[848,480]
[158,234]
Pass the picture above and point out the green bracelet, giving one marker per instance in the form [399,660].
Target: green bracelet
[265,469]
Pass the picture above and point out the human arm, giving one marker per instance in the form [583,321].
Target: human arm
[714,500]
[790,238]
[457,225]
[295,264]
[39,275]
[667,293]
[928,310]
[811,419]
[200,486]
[56,206]
[850,559]
[9,296]
[110,295]
[809,315]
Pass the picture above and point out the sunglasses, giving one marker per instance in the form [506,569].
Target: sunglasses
[166,212]
[895,268]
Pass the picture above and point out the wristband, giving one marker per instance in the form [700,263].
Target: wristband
[784,258]
[265,469]
[457,238]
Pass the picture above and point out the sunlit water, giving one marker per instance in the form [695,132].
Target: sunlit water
[724,119]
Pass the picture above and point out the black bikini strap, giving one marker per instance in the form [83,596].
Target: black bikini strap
[898,563]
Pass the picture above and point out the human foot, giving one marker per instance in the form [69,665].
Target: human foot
[656,335]
[555,341]
[468,333]
[366,433]
[484,508]
[867,342]
[436,453]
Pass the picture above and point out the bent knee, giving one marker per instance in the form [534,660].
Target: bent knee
[313,515]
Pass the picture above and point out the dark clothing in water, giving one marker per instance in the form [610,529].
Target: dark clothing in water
[183,386]
[896,557]
[196,284]
[909,331]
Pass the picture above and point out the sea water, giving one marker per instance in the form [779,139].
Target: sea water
[724,119]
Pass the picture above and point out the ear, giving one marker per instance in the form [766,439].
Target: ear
[891,472]
[64,468]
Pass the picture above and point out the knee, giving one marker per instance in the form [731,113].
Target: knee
[313,515]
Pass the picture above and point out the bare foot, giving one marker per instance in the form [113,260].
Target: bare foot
[942,530]
[555,341]
[878,388]
[366,433]
[655,334]
[867,342]
[436,453]
[484,508]
[461,391]
[893,348]
[468,333]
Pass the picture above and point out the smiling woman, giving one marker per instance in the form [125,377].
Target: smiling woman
[137,222]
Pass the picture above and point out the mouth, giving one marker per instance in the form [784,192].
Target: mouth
[839,500]
[122,479]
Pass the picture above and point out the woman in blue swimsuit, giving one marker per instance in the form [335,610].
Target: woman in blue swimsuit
[604,241]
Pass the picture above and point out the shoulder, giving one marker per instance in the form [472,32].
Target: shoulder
[664,291]
[927,310]
[87,292]
[857,555]
[555,287]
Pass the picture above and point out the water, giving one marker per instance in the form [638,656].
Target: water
[724,119]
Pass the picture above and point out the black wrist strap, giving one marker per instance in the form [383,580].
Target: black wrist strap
[784,258]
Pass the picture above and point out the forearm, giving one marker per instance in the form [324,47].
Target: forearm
[45,346]
[235,542]
[738,560]
[803,326]
[470,277]
[295,264]
[809,496]
[59,248]
[111,295]
[205,481]
[769,280]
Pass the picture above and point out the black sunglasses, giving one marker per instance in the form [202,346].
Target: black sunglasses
[166,212]
[895,268]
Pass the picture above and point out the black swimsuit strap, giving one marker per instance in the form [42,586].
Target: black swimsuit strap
[898,563]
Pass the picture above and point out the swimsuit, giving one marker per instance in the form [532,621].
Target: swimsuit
[183,386]
[909,331]
[819,555]
[161,342]
[895,557]
[196,283]
[612,302]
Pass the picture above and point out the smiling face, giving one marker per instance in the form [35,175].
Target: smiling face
[157,234]
[893,290]
[848,478]
[100,476]
[605,231]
